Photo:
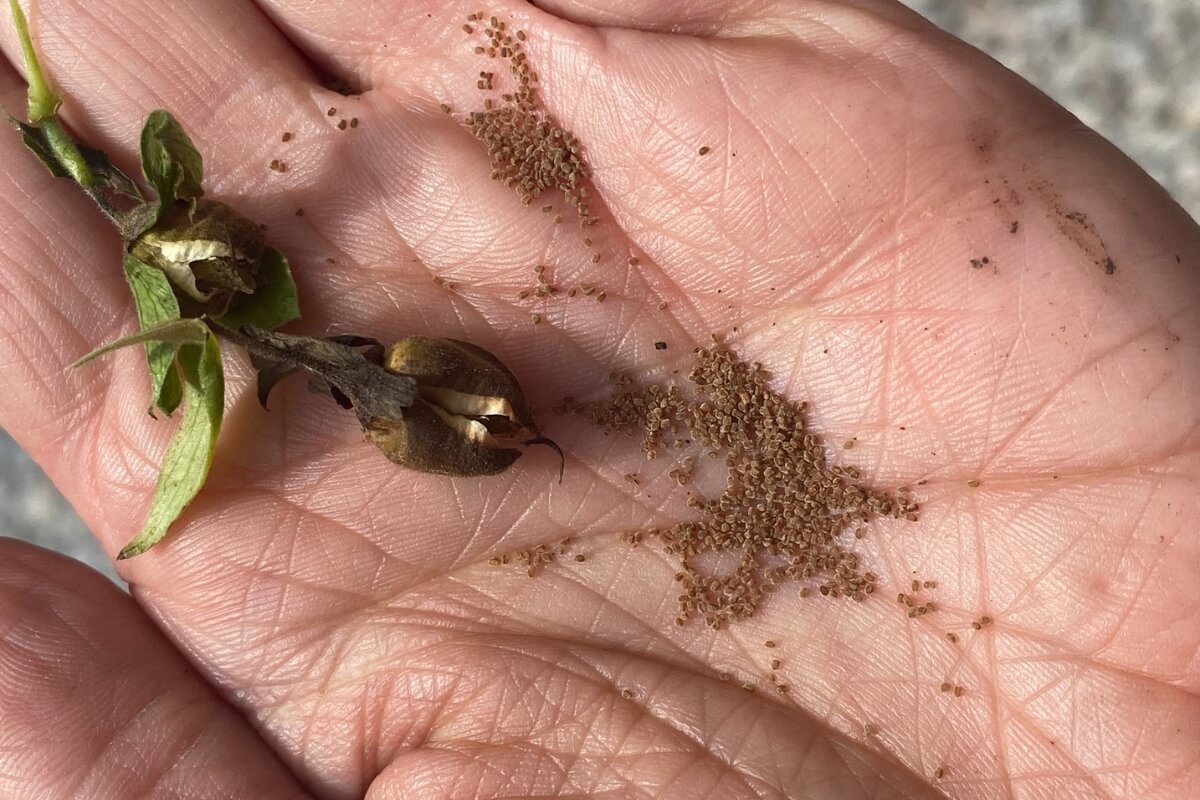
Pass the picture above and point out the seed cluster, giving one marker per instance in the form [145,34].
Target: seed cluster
[784,511]
[530,152]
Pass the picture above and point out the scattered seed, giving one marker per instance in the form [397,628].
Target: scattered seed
[468,29]
[341,125]
[600,298]
[299,212]
[916,586]
[446,108]
[973,483]
[331,112]
[595,258]
[848,444]
[959,690]
[537,318]
[976,625]
[939,773]
[354,122]
[985,620]
[660,345]
[287,136]
[633,261]
[952,637]
[725,677]
[929,584]
[704,150]
[662,306]
[946,686]
[749,687]
[586,289]
[775,663]
[770,643]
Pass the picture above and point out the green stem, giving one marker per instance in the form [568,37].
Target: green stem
[43,105]
[43,100]
[64,149]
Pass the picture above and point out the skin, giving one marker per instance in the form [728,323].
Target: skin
[324,624]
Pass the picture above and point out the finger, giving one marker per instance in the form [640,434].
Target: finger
[114,62]
[95,703]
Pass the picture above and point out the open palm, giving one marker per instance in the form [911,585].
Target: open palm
[953,272]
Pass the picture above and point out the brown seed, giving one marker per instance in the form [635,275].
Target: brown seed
[595,258]
[929,584]
[633,261]
[299,212]
[354,122]
[848,444]
[468,29]
[939,773]
[953,637]
[946,686]
[287,136]
[580,557]
[521,35]
[704,150]
[775,663]
[537,318]
[446,107]
[976,625]
[916,586]
[331,112]
[341,125]
[662,306]
[600,298]
[959,690]
[985,620]
[973,483]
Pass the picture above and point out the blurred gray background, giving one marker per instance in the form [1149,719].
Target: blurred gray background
[1127,68]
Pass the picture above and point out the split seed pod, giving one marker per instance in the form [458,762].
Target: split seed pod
[469,416]
[434,405]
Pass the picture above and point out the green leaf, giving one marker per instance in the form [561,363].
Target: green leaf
[190,453]
[170,162]
[156,303]
[274,301]
[43,100]
[173,331]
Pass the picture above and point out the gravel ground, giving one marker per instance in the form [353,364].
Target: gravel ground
[1124,67]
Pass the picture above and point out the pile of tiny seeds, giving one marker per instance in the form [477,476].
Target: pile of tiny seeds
[530,152]
[784,513]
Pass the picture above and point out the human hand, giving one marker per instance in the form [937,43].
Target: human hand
[322,618]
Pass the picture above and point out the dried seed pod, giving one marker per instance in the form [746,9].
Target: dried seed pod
[469,413]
